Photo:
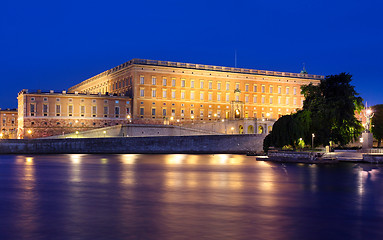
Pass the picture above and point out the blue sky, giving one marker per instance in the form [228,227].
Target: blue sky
[56,44]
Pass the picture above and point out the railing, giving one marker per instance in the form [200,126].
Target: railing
[375,150]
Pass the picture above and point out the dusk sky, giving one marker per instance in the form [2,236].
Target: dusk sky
[56,44]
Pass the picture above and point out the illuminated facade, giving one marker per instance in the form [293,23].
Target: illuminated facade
[163,91]
[8,123]
[42,114]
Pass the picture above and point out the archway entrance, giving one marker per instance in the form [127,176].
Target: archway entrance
[250,129]
[240,129]
[260,129]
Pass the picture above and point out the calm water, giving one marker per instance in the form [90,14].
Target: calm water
[186,197]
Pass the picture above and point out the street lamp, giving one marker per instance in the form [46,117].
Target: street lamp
[232,130]
[104,133]
[312,140]
[77,134]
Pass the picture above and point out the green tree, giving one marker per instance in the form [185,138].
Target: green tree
[377,123]
[332,105]
[328,112]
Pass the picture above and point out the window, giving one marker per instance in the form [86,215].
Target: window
[210,84]
[246,87]
[164,112]
[192,95]
[182,94]
[263,88]
[154,93]
[236,97]
[45,109]
[279,89]
[116,101]
[247,98]
[82,111]
[201,113]
[164,93]
[287,90]
[117,111]
[295,91]
[164,81]
[173,82]
[33,109]
[227,97]
[153,111]
[271,100]
[106,110]
[201,84]
[46,99]
[182,82]
[173,112]
[219,85]
[142,80]
[173,93]
[279,100]
[94,111]
[219,97]
[263,100]
[255,88]
[154,80]
[192,84]
[210,97]
[142,111]
[254,99]
[58,109]
[237,86]
[33,99]
[142,92]
[70,110]
[294,101]
[287,101]
[271,89]
[227,86]
[201,96]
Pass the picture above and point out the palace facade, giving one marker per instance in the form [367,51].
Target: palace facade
[42,114]
[8,123]
[163,91]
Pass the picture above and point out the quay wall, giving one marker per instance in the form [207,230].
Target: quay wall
[201,144]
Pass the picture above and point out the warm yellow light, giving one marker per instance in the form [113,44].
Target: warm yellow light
[104,132]
[178,120]
[267,114]
[223,120]
[1,135]
[171,118]
[128,116]
[29,131]
[76,132]
[215,114]
[232,128]
[369,111]
[192,117]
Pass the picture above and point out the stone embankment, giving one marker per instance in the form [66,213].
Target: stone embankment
[202,144]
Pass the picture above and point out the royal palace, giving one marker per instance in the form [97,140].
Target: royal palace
[161,92]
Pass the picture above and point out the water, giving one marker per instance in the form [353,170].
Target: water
[186,197]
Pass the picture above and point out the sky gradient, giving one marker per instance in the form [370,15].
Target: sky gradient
[57,44]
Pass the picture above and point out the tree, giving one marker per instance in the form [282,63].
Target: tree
[332,104]
[328,112]
[377,123]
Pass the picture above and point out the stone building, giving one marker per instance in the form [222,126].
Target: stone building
[164,92]
[42,114]
[8,123]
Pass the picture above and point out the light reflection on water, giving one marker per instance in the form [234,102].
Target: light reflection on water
[178,196]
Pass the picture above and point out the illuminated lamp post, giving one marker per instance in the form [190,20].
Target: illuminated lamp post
[30,133]
[104,133]
[232,130]
[129,118]
[1,135]
[192,118]
[312,140]
[77,134]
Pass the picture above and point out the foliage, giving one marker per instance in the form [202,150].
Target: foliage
[377,123]
[328,112]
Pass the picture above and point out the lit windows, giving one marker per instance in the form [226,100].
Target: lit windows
[201,84]
[58,109]
[154,80]
[263,89]
[227,86]
[287,90]
[182,82]
[210,85]
[255,88]
[164,93]
[94,111]
[201,96]
[173,93]
[271,100]
[142,80]
[246,98]
[70,110]
[142,92]
[227,97]
[154,93]
[254,99]
[219,97]
[164,81]
[295,91]
[192,84]
[219,85]
[271,88]
[279,89]
[263,100]
[210,96]
[246,87]
[192,95]
[173,82]
[182,94]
